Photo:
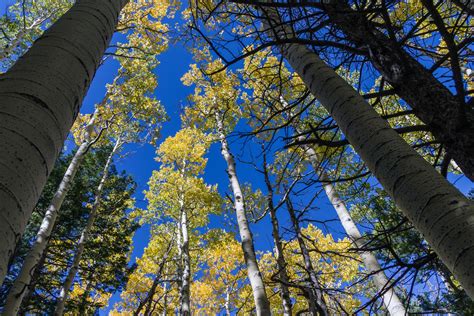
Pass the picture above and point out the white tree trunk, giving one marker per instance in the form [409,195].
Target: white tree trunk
[435,207]
[179,265]
[255,277]
[22,282]
[185,304]
[391,301]
[60,304]
[40,98]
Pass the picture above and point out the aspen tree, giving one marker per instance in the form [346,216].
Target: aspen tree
[41,96]
[435,207]
[391,300]
[178,193]
[23,23]
[71,274]
[217,111]
[150,282]
[128,100]
[264,72]
[224,277]
[22,282]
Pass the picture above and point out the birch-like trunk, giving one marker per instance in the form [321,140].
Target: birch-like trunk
[22,282]
[40,97]
[262,304]
[179,265]
[436,208]
[185,304]
[280,257]
[60,304]
[391,300]
[316,303]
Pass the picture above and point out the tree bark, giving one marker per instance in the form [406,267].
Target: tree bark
[185,304]
[262,304]
[391,300]
[60,304]
[316,303]
[40,97]
[435,207]
[450,120]
[179,265]
[22,282]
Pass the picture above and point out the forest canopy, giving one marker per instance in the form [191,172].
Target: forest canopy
[238,157]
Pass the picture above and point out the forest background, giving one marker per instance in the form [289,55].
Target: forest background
[140,160]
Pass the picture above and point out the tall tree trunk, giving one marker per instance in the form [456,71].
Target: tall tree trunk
[60,304]
[185,304]
[22,282]
[280,257]
[391,300]
[255,277]
[449,118]
[179,265]
[316,303]
[40,97]
[435,207]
